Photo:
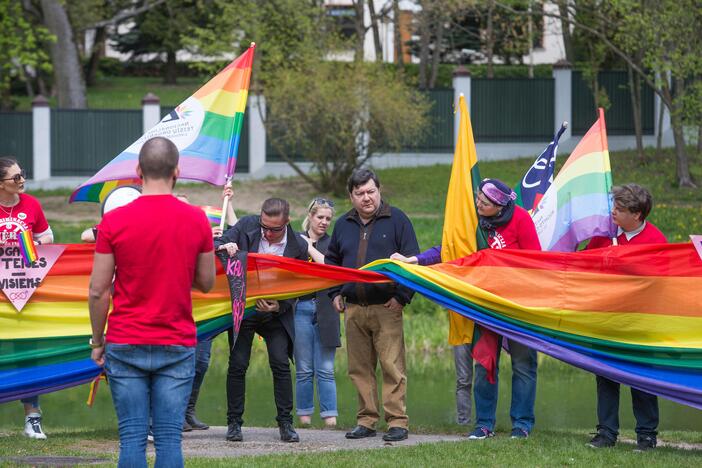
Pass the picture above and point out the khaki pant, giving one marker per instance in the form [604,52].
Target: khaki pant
[373,334]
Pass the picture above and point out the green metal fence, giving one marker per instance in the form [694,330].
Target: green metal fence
[439,136]
[16,138]
[513,109]
[619,117]
[83,141]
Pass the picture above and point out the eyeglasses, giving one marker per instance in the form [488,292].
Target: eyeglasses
[324,201]
[265,228]
[17,178]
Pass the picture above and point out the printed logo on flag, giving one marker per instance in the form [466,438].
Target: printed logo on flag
[19,281]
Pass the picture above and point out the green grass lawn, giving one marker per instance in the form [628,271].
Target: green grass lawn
[545,448]
[127,92]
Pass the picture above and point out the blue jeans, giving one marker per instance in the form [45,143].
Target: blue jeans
[524,365]
[32,400]
[150,382]
[313,360]
[202,362]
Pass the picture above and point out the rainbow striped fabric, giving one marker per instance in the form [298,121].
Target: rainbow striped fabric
[214,215]
[206,128]
[577,205]
[631,313]
[27,248]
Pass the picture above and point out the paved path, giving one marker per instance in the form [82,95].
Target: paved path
[264,441]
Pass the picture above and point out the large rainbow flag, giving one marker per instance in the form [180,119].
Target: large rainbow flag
[577,205]
[206,128]
[631,313]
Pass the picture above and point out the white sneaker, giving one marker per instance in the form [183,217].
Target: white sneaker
[32,426]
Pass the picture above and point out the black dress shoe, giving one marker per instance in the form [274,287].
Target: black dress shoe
[396,434]
[234,433]
[360,432]
[287,433]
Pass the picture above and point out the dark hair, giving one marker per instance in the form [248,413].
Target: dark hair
[276,207]
[360,177]
[158,158]
[634,198]
[6,162]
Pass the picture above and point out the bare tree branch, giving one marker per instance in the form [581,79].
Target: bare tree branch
[123,15]
[601,36]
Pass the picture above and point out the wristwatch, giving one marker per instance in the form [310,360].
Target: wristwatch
[94,345]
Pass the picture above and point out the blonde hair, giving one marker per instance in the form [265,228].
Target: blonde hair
[312,209]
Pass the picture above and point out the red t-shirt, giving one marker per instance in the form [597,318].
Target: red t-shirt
[26,215]
[519,233]
[649,235]
[155,240]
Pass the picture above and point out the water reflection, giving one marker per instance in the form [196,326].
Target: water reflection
[565,398]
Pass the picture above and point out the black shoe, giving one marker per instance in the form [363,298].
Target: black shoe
[190,417]
[194,423]
[601,441]
[187,427]
[234,432]
[645,443]
[287,433]
[360,432]
[396,434]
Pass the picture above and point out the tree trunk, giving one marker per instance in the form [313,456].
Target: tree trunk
[360,31]
[170,75]
[424,39]
[490,40]
[635,93]
[95,56]
[68,74]
[682,163]
[565,28]
[376,32]
[436,54]
[397,34]
[659,137]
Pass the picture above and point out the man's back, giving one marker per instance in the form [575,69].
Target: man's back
[155,241]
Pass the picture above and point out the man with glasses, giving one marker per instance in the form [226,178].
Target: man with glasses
[269,233]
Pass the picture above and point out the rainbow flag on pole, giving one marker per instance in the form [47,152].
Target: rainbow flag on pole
[27,248]
[578,205]
[206,128]
[214,215]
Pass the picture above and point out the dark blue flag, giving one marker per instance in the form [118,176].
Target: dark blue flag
[540,175]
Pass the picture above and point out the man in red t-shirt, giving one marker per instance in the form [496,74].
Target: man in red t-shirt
[156,248]
[632,204]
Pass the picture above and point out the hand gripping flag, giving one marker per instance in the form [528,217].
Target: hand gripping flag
[206,128]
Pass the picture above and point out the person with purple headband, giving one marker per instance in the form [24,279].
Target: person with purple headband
[507,227]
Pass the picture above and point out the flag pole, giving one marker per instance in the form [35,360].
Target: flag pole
[233,150]
[603,138]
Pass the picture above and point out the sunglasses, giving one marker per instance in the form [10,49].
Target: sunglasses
[17,178]
[324,201]
[265,228]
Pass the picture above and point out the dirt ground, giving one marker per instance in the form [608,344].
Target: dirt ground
[248,196]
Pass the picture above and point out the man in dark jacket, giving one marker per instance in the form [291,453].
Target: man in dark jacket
[269,233]
[373,312]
